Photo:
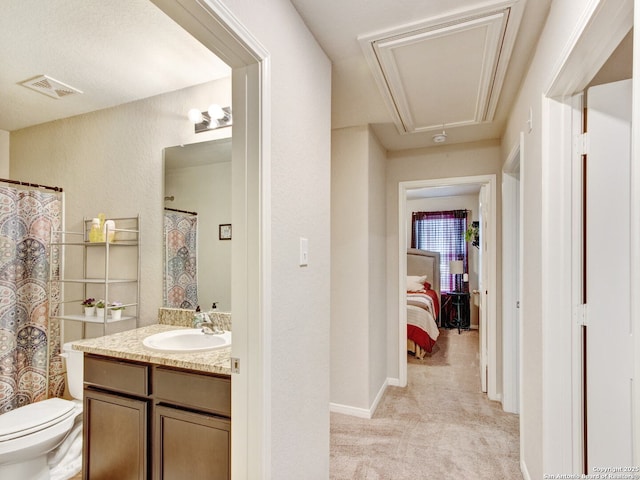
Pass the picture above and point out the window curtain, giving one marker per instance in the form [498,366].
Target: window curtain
[180,260]
[30,366]
[442,232]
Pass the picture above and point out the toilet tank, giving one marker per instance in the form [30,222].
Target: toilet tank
[75,370]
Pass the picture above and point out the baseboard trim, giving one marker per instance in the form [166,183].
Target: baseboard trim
[393,382]
[376,401]
[349,410]
[357,411]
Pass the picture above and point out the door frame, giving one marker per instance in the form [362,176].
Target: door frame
[216,27]
[512,260]
[490,263]
[598,32]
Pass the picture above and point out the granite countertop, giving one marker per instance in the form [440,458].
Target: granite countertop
[128,346]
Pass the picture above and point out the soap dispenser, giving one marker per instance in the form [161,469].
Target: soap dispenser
[197,317]
[95,233]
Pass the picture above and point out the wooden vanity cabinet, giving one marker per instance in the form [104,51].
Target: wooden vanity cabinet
[192,425]
[190,445]
[146,421]
[115,437]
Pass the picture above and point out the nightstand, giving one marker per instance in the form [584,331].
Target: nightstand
[458,310]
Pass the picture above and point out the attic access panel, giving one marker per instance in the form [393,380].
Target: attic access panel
[447,71]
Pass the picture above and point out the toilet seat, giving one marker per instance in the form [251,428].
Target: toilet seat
[34,417]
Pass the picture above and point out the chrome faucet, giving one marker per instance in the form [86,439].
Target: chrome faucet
[202,320]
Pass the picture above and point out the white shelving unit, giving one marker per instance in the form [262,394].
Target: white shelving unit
[94,279]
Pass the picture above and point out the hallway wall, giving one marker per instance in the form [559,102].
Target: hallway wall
[358,301]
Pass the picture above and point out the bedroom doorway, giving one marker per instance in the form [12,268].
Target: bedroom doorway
[487,183]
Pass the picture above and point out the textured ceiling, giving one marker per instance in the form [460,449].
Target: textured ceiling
[114,51]
[124,50]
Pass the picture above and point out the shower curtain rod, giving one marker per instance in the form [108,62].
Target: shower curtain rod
[181,211]
[27,184]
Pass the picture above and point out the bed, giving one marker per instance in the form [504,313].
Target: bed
[423,300]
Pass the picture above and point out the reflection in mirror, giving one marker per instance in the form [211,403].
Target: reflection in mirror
[197,190]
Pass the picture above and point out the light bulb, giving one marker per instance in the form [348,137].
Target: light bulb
[195,115]
[216,112]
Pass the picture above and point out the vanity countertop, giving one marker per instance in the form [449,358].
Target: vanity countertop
[128,346]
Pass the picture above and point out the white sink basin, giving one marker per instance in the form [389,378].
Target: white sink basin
[186,341]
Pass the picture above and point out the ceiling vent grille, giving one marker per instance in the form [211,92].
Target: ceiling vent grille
[50,87]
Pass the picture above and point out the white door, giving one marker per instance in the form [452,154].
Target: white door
[482,286]
[608,347]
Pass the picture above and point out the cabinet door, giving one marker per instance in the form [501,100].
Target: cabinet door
[115,437]
[191,445]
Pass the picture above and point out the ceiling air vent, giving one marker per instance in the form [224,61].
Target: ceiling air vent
[50,87]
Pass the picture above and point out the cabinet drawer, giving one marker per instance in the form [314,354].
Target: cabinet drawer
[202,392]
[116,375]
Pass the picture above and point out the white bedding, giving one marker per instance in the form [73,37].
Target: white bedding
[423,319]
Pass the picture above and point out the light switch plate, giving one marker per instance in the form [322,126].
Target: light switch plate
[304,252]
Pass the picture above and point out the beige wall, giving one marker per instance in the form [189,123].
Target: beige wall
[4,154]
[111,161]
[350,267]
[300,176]
[377,267]
[478,158]
[358,321]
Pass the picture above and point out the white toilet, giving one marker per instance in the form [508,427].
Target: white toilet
[29,433]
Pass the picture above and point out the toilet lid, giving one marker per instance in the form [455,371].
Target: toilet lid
[34,417]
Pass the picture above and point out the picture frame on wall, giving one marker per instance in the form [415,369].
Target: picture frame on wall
[224,231]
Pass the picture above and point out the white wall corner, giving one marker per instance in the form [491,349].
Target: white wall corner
[358,411]
[524,470]
[393,382]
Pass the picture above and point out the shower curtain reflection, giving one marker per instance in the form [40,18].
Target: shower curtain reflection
[30,366]
[180,259]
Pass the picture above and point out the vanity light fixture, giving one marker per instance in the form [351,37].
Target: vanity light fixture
[215,117]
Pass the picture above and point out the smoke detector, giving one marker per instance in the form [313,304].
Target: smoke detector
[49,86]
[440,137]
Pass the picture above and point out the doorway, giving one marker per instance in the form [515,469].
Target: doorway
[563,312]
[488,369]
[211,23]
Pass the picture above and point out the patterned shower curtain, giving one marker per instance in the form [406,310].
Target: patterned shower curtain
[180,253]
[30,366]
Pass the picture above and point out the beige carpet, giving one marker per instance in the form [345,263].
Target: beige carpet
[439,427]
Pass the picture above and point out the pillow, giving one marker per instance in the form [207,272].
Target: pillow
[416,283]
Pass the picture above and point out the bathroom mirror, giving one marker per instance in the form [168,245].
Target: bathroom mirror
[197,180]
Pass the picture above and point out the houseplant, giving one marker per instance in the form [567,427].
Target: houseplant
[100,308]
[472,234]
[89,305]
[116,310]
